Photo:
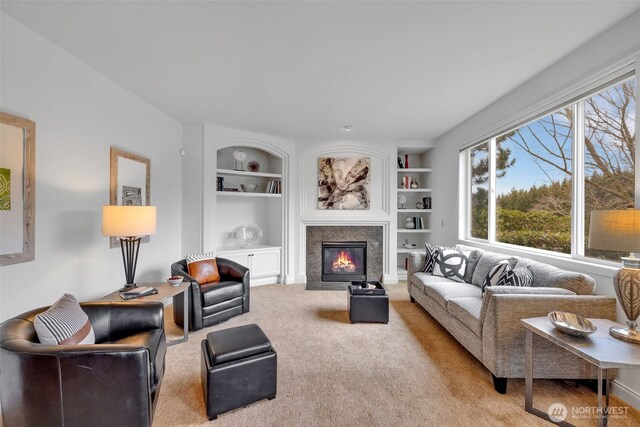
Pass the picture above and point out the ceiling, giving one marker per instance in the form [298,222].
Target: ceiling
[393,70]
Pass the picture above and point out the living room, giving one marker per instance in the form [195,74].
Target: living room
[407,88]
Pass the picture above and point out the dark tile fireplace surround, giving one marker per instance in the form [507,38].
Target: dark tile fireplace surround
[372,235]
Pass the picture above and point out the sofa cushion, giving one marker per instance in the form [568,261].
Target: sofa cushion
[424,279]
[154,340]
[467,310]
[486,262]
[473,256]
[444,291]
[548,276]
[451,264]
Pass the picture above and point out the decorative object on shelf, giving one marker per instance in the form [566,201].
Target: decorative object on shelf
[17,189]
[426,201]
[619,230]
[239,157]
[343,183]
[253,166]
[571,324]
[410,245]
[419,205]
[414,183]
[406,161]
[248,235]
[248,188]
[409,224]
[403,183]
[402,199]
[400,165]
[130,183]
[128,224]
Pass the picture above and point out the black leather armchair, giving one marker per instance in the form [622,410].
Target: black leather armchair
[212,303]
[113,382]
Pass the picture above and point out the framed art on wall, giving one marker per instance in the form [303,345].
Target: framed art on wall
[17,189]
[130,183]
[343,183]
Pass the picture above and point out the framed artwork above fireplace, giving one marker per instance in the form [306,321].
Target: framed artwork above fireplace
[343,183]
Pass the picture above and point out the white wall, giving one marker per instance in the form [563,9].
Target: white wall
[79,114]
[611,47]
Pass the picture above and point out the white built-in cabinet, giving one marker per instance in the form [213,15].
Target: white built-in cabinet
[418,170]
[262,206]
[262,261]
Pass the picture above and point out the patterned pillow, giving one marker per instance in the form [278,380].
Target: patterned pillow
[450,263]
[495,273]
[430,260]
[64,323]
[522,277]
[203,267]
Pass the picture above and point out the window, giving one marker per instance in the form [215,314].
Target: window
[480,191]
[531,192]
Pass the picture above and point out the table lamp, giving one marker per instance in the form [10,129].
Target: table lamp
[619,230]
[129,224]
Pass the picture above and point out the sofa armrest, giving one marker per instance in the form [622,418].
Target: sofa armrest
[416,264]
[503,336]
[490,291]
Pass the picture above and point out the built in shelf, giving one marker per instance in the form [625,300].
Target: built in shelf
[243,194]
[400,210]
[231,172]
[250,248]
[403,250]
[413,230]
[414,190]
[415,170]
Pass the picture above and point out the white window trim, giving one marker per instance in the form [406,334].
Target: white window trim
[574,96]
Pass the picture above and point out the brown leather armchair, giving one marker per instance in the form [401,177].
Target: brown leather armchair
[113,382]
[212,303]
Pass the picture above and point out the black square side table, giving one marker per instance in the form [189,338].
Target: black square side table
[367,305]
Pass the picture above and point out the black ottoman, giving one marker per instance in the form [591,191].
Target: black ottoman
[366,305]
[238,367]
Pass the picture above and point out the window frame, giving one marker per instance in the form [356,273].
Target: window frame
[577,104]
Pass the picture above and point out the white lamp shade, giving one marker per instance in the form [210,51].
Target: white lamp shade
[615,230]
[128,221]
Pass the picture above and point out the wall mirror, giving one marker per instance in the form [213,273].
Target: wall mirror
[130,182]
[17,189]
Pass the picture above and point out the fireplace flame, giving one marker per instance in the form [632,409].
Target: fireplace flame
[343,263]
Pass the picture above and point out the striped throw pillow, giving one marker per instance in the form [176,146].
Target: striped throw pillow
[494,274]
[64,323]
[430,260]
[203,267]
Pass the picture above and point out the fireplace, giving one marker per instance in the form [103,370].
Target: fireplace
[344,261]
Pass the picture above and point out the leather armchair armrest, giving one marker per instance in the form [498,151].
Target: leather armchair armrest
[231,270]
[180,269]
[114,320]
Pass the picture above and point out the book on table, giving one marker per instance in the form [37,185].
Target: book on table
[138,292]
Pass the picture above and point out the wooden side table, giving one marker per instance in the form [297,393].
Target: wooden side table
[165,295]
[599,349]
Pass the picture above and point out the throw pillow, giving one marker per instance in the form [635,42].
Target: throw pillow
[430,260]
[64,323]
[203,268]
[450,263]
[522,277]
[495,273]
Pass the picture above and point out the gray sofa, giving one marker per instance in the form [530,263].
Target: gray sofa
[489,327]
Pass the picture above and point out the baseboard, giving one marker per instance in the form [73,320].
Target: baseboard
[390,279]
[301,279]
[288,279]
[632,397]
[264,281]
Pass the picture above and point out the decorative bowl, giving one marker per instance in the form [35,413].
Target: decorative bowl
[571,324]
[248,188]
[175,280]
[248,235]
[410,245]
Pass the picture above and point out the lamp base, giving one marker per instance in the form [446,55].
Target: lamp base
[127,287]
[625,334]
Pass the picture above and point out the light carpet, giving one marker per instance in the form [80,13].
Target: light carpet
[410,372]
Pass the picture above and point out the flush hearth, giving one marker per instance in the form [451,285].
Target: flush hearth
[344,261]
